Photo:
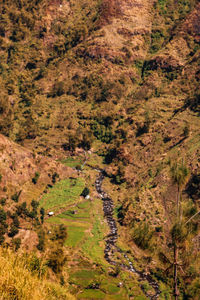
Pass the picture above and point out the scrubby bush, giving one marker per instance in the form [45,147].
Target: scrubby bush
[145,127]
[59,234]
[186,131]
[16,221]
[34,204]
[41,238]
[102,132]
[2,215]
[3,201]
[21,209]
[16,243]
[13,231]
[142,235]
[15,197]
[54,177]
[58,89]
[56,260]
[42,213]
[179,233]
[36,177]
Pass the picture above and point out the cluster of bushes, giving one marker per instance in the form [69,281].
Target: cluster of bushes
[157,40]
[24,212]
[193,103]
[3,225]
[170,13]
[142,235]
[81,138]
[119,176]
[57,257]
[12,230]
[101,132]
[21,22]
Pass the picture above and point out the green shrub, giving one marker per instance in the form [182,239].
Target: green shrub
[16,221]
[56,260]
[41,239]
[34,204]
[13,231]
[16,243]
[157,39]
[21,209]
[142,235]
[54,177]
[36,177]
[179,233]
[15,197]
[3,201]
[42,213]
[3,215]
[59,234]
[102,132]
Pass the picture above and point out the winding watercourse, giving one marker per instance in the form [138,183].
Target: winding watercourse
[112,237]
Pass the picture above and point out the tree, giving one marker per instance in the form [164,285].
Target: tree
[41,240]
[34,204]
[56,259]
[42,212]
[15,197]
[60,234]
[179,175]
[16,221]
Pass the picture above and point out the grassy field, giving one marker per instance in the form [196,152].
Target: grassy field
[75,235]
[65,192]
[93,246]
[86,231]
[72,162]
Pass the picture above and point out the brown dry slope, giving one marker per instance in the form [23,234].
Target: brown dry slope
[18,167]
[124,23]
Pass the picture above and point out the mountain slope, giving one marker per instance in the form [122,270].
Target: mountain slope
[114,84]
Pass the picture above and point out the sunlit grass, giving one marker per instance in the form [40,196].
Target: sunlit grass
[63,193]
[74,235]
[17,281]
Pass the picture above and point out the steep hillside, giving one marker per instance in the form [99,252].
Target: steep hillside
[111,85]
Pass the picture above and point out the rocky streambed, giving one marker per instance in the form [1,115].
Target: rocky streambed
[111,248]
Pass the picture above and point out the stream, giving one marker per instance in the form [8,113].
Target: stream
[112,237]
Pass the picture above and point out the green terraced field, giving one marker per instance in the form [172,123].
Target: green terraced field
[72,162]
[64,192]
[75,235]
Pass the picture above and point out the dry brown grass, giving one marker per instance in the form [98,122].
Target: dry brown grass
[18,282]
